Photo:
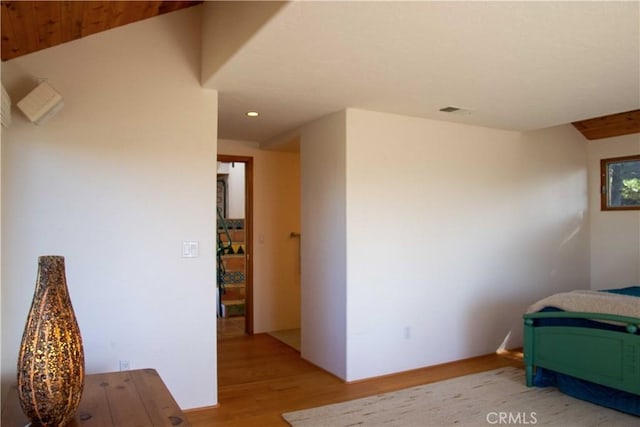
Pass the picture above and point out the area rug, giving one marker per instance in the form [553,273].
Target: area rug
[497,397]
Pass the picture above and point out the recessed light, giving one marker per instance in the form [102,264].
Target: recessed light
[253,114]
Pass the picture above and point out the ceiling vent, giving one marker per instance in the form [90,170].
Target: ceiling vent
[456,110]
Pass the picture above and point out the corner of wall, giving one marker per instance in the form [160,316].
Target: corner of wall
[615,236]
[323,218]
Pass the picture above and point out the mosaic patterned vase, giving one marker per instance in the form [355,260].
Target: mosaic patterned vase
[51,360]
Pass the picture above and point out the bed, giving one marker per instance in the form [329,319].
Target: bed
[587,344]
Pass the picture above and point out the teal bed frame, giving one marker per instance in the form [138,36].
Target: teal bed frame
[609,358]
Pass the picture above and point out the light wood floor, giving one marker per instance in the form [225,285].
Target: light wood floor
[260,377]
[230,327]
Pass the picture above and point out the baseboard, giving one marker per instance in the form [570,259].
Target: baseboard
[508,354]
[201,408]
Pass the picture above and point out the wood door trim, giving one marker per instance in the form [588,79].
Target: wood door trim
[248,209]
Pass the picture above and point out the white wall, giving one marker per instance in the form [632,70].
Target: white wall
[2,130]
[451,232]
[276,206]
[115,182]
[324,239]
[229,24]
[615,236]
[235,187]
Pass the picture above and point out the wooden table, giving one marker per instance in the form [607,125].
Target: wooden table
[127,398]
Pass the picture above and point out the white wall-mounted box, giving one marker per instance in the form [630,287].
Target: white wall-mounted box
[41,103]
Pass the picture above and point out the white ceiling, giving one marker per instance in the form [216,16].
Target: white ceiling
[517,65]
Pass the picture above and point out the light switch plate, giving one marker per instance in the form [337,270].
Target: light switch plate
[190,249]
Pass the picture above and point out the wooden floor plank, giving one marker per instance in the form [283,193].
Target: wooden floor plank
[259,378]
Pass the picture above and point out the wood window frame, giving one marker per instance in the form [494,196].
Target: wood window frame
[604,183]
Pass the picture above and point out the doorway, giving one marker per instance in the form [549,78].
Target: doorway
[235,244]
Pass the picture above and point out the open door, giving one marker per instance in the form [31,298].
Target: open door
[235,239]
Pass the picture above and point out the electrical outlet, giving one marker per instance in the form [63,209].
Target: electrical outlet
[124,365]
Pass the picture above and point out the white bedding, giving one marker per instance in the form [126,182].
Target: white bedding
[591,302]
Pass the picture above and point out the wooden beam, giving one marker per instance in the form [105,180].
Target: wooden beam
[72,13]
[608,126]
[29,26]
[48,23]
[21,16]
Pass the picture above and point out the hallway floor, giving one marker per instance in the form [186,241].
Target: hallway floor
[291,337]
[260,377]
[229,327]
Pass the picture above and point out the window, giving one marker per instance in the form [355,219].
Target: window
[620,183]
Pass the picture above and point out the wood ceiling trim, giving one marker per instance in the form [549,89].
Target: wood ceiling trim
[608,126]
[30,26]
